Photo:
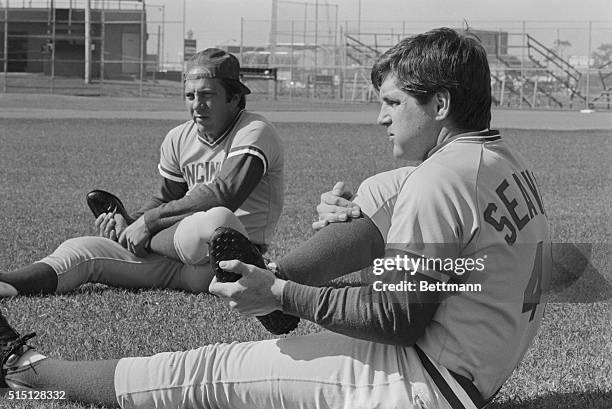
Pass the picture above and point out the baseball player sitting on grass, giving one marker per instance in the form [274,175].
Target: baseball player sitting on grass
[223,167]
[471,203]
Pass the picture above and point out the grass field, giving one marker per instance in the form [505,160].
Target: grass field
[49,165]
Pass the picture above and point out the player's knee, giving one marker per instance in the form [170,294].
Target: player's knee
[85,245]
[77,251]
[204,224]
[194,232]
[220,217]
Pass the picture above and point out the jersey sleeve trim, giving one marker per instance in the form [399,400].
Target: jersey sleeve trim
[175,177]
[250,150]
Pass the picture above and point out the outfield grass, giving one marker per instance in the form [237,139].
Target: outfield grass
[49,165]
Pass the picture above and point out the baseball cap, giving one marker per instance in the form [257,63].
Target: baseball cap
[215,63]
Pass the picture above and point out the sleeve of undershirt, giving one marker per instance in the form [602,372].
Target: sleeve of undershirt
[391,317]
[338,249]
[169,190]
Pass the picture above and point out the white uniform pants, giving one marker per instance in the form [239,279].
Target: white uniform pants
[323,370]
[99,260]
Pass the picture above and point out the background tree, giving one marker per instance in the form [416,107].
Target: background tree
[602,55]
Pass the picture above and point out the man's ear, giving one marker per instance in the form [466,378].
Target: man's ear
[442,99]
[236,98]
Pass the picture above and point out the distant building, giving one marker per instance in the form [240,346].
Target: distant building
[53,41]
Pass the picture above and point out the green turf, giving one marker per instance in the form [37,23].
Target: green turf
[49,165]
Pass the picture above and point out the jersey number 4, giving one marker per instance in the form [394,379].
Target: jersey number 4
[539,278]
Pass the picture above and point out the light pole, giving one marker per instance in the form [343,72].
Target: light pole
[87,42]
[316,50]
[163,33]
[6,8]
[183,33]
[359,18]
[143,46]
[273,33]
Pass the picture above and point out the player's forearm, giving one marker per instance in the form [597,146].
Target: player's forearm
[397,318]
[166,214]
[169,191]
[152,203]
[335,250]
[235,182]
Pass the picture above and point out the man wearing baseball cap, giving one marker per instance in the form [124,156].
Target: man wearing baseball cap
[222,167]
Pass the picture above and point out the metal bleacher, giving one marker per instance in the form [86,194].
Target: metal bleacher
[361,51]
[555,66]
[532,75]
[539,77]
[604,72]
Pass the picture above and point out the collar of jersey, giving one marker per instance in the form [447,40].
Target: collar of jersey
[483,136]
[227,132]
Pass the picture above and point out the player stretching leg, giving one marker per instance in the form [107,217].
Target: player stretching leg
[223,167]
[471,198]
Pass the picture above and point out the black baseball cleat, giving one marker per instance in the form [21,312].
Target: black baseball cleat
[101,201]
[229,244]
[12,347]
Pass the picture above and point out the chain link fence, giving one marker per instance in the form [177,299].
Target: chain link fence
[43,43]
[534,64]
[303,52]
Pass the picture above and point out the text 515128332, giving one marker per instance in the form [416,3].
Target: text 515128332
[36,395]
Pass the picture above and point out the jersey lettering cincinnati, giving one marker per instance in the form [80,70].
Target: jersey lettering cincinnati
[525,181]
[201,172]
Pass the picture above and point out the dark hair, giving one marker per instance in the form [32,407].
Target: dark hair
[437,60]
[232,88]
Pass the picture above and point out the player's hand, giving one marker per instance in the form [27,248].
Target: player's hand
[120,225]
[105,224]
[135,237]
[110,225]
[257,293]
[336,206]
